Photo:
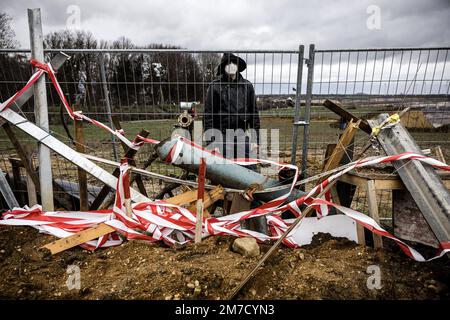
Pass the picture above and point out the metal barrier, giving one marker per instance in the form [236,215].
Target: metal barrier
[144,88]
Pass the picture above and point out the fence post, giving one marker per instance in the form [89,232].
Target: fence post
[309,87]
[41,110]
[298,89]
[101,62]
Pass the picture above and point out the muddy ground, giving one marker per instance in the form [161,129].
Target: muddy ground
[329,268]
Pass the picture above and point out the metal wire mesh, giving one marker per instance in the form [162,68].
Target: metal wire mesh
[144,89]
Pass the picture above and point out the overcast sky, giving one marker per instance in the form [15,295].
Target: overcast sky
[242,24]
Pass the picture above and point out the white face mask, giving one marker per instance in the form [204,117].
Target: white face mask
[231,69]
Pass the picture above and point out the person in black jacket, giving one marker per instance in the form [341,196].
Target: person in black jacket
[230,109]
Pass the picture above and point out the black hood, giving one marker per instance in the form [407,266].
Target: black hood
[228,58]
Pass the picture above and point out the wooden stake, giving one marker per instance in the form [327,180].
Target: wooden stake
[21,153]
[200,198]
[31,187]
[373,211]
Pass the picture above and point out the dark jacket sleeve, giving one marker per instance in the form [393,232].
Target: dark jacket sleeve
[208,109]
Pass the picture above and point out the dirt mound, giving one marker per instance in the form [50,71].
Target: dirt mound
[416,119]
[329,268]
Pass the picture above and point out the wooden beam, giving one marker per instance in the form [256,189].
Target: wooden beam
[21,153]
[373,212]
[211,197]
[339,152]
[31,187]
[344,141]
[337,108]
[79,238]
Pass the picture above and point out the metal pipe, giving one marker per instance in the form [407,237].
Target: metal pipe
[297,103]
[223,171]
[41,110]
[107,102]
[309,85]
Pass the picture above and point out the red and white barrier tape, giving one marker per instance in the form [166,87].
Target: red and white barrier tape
[159,220]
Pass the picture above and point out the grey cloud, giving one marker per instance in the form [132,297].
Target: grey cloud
[248,24]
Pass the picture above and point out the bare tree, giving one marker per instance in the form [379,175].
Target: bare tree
[7,35]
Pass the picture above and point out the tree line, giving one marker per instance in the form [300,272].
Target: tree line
[151,82]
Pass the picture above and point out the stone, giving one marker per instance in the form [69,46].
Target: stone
[197,291]
[247,246]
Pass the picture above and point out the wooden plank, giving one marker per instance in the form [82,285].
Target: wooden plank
[344,141]
[211,197]
[337,108]
[103,229]
[31,187]
[339,152]
[361,234]
[239,203]
[373,211]
[82,176]
[439,154]
[183,198]
[78,238]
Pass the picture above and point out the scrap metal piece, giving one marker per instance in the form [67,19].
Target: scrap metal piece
[421,180]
